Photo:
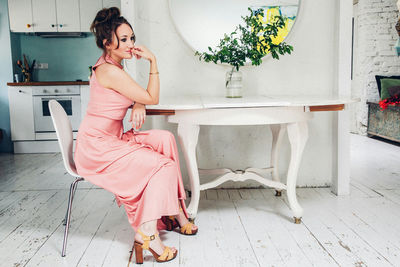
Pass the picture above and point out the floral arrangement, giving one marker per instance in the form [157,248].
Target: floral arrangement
[391,101]
[250,42]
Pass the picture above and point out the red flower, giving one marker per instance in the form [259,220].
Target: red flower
[391,101]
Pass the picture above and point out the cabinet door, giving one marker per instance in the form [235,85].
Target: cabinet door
[44,15]
[88,11]
[20,15]
[111,3]
[21,113]
[68,19]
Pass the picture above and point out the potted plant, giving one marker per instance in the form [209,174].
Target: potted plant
[247,43]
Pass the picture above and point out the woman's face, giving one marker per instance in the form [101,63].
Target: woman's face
[126,43]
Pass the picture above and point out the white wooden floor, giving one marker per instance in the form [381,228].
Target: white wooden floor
[246,227]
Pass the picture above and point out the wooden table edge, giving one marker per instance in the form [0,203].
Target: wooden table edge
[152,112]
[327,108]
[167,112]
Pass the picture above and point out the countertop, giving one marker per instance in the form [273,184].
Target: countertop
[48,83]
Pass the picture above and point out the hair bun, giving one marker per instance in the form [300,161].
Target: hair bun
[107,14]
[105,25]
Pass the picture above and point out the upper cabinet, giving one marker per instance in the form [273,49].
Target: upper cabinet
[111,3]
[55,15]
[44,15]
[68,18]
[89,9]
[20,14]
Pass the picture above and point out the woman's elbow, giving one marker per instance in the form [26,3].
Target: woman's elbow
[151,102]
[154,101]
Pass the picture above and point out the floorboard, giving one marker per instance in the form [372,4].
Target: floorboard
[237,227]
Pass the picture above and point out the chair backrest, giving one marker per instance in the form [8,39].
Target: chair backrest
[64,134]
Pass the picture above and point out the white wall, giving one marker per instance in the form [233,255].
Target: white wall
[311,69]
[374,53]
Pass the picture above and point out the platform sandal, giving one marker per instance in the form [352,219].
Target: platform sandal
[171,223]
[167,255]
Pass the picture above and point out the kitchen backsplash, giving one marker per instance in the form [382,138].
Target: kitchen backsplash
[68,58]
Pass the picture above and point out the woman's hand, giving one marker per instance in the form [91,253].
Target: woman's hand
[141,51]
[138,115]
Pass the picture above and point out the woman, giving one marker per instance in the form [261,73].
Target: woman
[140,168]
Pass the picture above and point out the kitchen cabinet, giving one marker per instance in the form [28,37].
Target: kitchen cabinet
[21,115]
[111,3]
[88,11]
[20,14]
[30,117]
[68,15]
[56,15]
[44,15]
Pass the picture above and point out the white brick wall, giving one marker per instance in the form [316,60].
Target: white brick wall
[374,53]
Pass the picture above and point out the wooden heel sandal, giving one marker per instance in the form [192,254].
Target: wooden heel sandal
[171,223]
[167,255]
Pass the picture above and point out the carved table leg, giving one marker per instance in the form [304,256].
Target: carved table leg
[278,130]
[188,136]
[298,134]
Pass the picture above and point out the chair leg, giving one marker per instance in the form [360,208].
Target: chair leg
[72,197]
[68,217]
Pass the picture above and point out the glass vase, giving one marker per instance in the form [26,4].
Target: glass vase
[233,84]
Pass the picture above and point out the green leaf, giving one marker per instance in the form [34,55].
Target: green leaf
[250,41]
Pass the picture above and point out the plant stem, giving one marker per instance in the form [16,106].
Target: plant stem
[230,77]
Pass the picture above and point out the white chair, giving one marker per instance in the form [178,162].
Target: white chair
[65,140]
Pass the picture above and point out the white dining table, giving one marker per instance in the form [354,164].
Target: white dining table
[281,113]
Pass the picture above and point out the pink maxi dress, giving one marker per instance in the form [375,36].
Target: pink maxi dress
[140,168]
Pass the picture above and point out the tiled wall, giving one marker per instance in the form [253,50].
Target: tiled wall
[68,58]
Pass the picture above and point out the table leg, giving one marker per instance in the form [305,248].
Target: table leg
[188,136]
[298,134]
[278,130]
[341,154]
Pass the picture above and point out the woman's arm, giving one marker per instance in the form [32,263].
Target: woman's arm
[114,78]
[138,115]
[153,86]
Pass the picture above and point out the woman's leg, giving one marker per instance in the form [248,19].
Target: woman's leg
[164,142]
[149,229]
[158,199]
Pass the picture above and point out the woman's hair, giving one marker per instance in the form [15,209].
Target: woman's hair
[105,25]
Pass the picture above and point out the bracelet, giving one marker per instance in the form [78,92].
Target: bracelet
[154,73]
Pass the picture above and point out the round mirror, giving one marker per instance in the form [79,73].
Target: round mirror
[203,23]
